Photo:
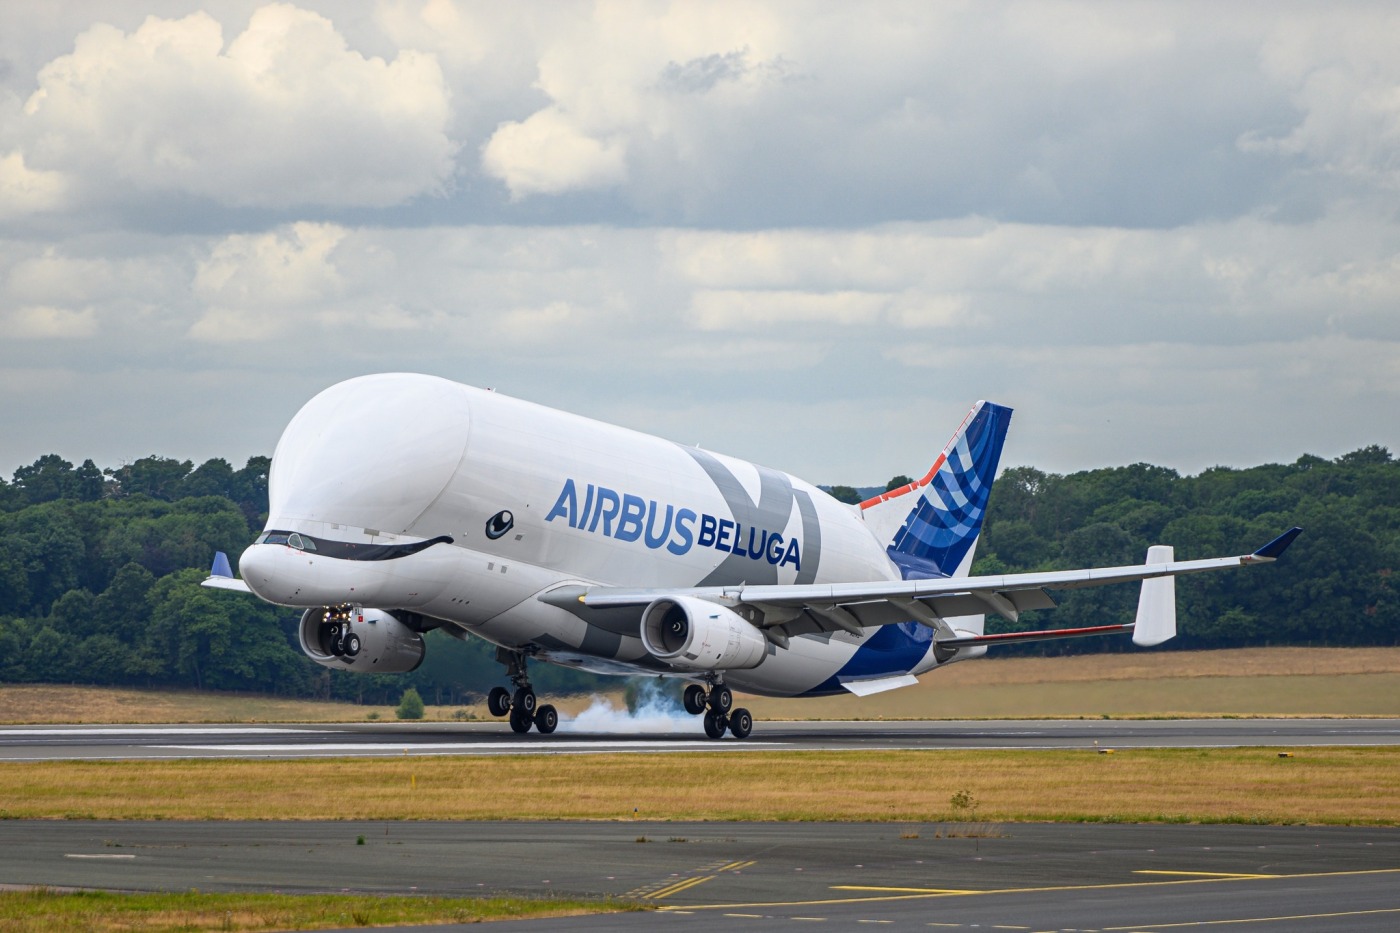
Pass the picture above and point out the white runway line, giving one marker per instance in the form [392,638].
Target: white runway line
[457,748]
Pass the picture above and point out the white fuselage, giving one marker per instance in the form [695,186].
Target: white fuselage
[534,499]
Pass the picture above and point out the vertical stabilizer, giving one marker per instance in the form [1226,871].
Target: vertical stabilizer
[930,527]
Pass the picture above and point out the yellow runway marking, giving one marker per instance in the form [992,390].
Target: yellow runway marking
[1203,874]
[869,887]
[929,895]
[680,886]
[1212,923]
[685,884]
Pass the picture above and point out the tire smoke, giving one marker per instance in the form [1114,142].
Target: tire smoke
[654,710]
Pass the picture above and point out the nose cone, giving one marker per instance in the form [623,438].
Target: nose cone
[266,570]
[373,452]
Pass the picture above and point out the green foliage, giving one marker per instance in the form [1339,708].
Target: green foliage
[410,706]
[1333,587]
[846,494]
[100,571]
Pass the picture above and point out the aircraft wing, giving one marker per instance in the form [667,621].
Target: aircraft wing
[854,606]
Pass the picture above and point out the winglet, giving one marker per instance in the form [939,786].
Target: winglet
[221,566]
[1274,548]
[1156,614]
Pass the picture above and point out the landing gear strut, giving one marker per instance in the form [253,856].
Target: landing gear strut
[520,706]
[717,706]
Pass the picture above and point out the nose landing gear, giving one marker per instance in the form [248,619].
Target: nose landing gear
[521,706]
[717,707]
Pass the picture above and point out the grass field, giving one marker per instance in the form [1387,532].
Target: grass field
[1333,785]
[1243,682]
[45,911]
[932,791]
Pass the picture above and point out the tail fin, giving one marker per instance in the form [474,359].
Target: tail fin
[930,527]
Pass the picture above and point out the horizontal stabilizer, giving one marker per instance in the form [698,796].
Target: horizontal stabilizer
[1053,634]
[1274,548]
[864,688]
[221,575]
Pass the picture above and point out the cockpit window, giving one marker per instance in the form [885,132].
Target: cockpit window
[344,550]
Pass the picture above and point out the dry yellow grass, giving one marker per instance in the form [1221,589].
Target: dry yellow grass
[1239,682]
[32,704]
[1334,785]
[44,911]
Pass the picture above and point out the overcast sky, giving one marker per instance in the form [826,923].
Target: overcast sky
[807,234]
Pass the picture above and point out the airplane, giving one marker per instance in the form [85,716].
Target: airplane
[401,503]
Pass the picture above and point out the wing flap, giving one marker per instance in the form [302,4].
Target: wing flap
[1005,585]
[814,608]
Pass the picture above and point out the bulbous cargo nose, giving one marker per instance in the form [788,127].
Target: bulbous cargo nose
[372,452]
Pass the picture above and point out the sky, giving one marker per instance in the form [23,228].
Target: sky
[807,234]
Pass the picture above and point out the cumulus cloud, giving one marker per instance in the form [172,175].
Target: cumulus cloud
[548,154]
[24,191]
[1344,79]
[254,284]
[284,114]
[745,225]
[39,322]
[734,309]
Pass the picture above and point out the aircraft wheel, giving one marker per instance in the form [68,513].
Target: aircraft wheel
[546,719]
[352,645]
[498,701]
[740,723]
[721,699]
[524,701]
[520,720]
[694,699]
[715,724]
[338,646]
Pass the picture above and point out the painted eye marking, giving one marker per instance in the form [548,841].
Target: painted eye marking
[498,524]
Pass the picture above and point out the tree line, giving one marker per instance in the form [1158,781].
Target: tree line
[100,570]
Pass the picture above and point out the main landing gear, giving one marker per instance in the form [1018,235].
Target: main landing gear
[717,707]
[520,705]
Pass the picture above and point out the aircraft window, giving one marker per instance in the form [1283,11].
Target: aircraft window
[344,550]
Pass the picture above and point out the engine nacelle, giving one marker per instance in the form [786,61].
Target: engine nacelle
[698,635]
[367,641]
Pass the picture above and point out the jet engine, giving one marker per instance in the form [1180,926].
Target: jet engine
[698,635]
[368,641]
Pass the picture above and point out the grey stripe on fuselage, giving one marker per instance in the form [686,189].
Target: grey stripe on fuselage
[771,512]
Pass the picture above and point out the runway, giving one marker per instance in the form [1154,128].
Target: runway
[54,743]
[740,876]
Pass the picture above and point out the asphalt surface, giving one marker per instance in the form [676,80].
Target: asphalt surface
[728,876]
[23,743]
[740,876]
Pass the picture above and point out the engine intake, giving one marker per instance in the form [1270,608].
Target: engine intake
[367,641]
[698,635]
